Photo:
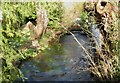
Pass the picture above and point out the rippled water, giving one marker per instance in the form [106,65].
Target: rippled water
[63,62]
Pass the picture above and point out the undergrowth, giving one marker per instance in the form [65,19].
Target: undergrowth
[15,44]
[106,63]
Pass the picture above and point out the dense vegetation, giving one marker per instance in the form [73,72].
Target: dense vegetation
[108,57]
[15,40]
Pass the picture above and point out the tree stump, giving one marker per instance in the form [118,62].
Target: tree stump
[40,28]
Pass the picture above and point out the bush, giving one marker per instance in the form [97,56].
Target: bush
[14,41]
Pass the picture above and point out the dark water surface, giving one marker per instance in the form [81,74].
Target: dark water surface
[63,62]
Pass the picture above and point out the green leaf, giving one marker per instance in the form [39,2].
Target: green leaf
[10,34]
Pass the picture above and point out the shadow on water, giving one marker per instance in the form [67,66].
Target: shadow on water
[61,62]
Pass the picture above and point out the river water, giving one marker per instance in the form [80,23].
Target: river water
[62,62]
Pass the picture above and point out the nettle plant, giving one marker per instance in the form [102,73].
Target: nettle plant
[14,16]
[15,40]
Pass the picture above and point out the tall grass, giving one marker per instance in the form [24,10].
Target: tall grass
[107,66]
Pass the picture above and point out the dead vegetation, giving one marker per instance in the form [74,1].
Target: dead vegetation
[104,14]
